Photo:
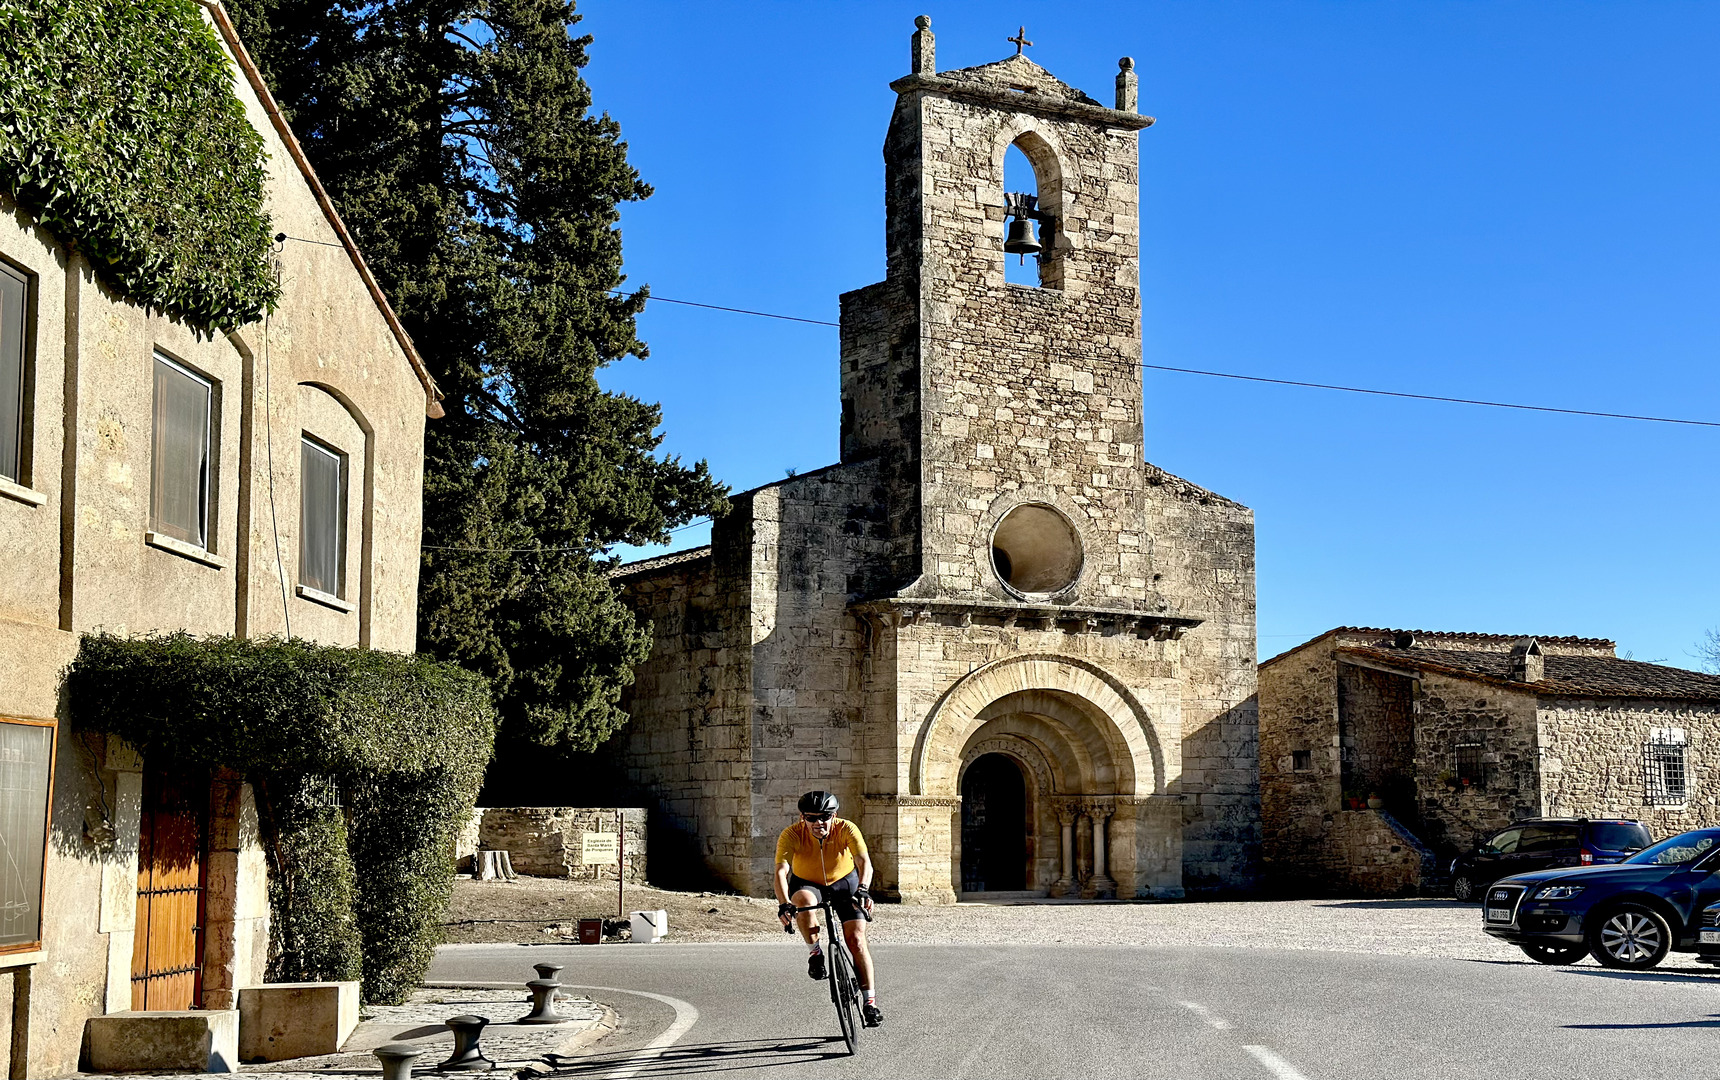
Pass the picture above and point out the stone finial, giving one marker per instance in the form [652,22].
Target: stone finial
[924,47]
[1128,86]
[1527,662]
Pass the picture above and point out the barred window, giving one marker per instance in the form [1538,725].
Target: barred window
[13,311]
[179,482]
[322,518]
[1663,772]
[1471,767]
[1301,761]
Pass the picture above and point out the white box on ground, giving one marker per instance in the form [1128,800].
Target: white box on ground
[650,926]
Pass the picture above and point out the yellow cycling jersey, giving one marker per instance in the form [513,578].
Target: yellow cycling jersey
[822,863]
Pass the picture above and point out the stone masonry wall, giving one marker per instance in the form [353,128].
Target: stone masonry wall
[1298,712]
[1592,760]
[1203,565]
[1377,737]
[687,746]
[547,841]
[1453,711]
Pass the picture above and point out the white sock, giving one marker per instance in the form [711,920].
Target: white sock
[871,995]
[813,947]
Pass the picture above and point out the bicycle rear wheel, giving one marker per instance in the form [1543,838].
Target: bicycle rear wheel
[845,992]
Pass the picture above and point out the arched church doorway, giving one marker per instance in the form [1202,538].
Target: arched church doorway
[994,825]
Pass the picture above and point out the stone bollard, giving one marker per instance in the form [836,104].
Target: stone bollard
[543,1003]
[396,1059]
[468,1055]
[547,971]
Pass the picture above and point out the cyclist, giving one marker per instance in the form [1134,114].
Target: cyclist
[819,855]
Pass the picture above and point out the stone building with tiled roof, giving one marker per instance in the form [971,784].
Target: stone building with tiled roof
[1383,752]
[1021,656]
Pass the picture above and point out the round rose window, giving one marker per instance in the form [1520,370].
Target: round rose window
[1035,550]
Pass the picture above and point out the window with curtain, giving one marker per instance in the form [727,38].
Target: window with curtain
[322,517]
[14,309]
[179,481]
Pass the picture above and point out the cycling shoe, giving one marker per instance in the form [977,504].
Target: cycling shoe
[815,965]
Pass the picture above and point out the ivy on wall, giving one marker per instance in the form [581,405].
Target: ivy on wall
[364,765]
[121,134]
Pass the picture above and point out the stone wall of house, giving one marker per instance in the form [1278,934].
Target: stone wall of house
[1377,736]
[83,554]
[1369,853]
[1503,720]
[548,841]
[1592,760]
[1298,713]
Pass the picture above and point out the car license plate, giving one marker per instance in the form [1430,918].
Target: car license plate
[1498,914]
[1708,937]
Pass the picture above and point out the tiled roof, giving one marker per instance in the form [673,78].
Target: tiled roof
[1564,676]
[1382,637]
[660,562]
[1464,635]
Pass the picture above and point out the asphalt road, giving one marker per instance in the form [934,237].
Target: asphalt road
[748,1010]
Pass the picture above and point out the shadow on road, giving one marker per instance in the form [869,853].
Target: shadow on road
[1424,904]
[700,1059]
[1650,976]
[1658,975]
[1713,1021]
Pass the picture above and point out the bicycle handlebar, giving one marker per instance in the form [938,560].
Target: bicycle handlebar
[864,914]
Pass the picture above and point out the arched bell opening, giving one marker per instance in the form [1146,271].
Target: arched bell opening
[1032,195]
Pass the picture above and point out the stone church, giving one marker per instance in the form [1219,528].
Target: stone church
[1022,656]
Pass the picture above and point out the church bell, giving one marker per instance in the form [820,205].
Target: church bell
[1020,239]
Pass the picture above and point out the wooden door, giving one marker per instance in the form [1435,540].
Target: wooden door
[167,951]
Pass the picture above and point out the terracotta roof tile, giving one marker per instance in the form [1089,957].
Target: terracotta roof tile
[1565,676]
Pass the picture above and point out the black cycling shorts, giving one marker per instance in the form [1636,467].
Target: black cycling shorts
[840,893]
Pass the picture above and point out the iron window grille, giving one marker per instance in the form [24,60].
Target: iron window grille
[1471,766]
[1665,778]
[1301,761]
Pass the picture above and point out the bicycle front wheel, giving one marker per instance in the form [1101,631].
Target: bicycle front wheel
[845,992]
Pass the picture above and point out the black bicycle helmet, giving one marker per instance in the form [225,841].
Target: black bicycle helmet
[819,802]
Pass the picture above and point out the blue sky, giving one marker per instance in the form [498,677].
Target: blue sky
[1512,201]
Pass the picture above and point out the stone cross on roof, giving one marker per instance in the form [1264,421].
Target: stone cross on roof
[1020,40]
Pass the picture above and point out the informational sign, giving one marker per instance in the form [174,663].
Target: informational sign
[600,849]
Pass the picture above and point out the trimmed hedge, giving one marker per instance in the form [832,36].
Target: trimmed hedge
[364,765]
[121,134]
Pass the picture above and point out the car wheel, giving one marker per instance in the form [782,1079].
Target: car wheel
[1631,936]
[1463,887]
[1553,952]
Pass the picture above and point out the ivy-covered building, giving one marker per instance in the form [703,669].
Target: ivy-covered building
[202,429]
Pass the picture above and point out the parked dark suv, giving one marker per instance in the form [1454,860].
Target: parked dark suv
[1542,844]
[1628,915]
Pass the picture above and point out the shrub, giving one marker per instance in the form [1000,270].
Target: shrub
[364,764]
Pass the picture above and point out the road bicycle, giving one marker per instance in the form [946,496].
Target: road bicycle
[844,983]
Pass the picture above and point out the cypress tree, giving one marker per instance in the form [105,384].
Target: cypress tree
[458,142]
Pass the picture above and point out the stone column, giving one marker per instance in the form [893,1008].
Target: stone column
[1100,885]
[1064,885]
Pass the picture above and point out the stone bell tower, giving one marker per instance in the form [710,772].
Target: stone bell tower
[1020,654]
[979,392]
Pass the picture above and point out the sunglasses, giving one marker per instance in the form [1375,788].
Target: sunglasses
[816,817]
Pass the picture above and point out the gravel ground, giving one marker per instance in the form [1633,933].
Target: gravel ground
[543,909]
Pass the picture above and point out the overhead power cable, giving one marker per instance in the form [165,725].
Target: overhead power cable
[695,523]
[1278,382]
